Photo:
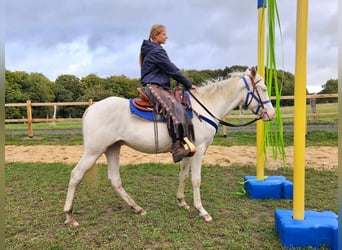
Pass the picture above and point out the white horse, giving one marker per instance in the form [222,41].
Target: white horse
[109,124]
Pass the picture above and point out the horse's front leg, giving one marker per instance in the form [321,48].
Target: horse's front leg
[196,164]
[183,174]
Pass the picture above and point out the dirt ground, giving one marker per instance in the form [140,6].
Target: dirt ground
[316,157]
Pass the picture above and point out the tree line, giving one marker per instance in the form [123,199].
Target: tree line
[21,86]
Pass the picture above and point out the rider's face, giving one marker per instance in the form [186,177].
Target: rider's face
[160,38]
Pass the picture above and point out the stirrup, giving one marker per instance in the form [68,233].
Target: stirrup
[189,145]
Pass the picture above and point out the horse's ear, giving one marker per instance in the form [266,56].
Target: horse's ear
[253,72]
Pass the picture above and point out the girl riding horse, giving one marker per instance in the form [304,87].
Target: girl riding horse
[156,71]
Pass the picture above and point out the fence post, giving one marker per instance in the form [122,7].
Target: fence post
[54,115]
[29,118]
[90,101]
[224,130]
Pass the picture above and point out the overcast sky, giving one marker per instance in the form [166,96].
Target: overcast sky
[103,37]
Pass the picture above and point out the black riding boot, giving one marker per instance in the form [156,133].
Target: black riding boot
[181,150]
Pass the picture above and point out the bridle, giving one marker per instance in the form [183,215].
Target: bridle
[247,103]
[254,95]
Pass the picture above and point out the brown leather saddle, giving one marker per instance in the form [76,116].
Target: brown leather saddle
[143,103]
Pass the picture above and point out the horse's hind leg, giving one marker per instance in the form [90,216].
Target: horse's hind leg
[113,154]
[76,176]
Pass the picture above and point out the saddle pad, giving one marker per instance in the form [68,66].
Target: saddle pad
[148,115]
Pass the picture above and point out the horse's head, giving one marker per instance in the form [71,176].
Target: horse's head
[257,99]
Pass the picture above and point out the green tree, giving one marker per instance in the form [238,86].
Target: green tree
[330,87]
[235,68]
[15,94]
[199,77]
[68,89]
[122,86]
[40,89]
[21,86]
[286,84]
[93,88]
[16,86]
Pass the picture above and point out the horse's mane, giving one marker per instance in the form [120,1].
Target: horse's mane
[219,84]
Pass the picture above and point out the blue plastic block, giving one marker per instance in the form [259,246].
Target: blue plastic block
[317,229]
[288,190]
[273,187]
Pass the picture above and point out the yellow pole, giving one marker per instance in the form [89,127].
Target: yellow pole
[261,70]
[300,110]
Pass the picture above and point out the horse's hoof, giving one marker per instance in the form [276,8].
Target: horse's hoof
[71,223]
[141,212]
[184,206]
[207,217]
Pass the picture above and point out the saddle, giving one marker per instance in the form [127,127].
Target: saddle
[143,103]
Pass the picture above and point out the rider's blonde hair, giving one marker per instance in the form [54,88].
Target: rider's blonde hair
[156,29]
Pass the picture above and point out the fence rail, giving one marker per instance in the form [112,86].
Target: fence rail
[30,120]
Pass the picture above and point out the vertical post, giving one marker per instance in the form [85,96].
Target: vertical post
[261,70]
[224,130]
[340,133]
[300,110]
[29,118]
[54,115]
[90,101]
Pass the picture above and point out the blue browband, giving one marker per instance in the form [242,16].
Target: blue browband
[250,93]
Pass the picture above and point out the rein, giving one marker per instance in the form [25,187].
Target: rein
[261,104]
[218,119]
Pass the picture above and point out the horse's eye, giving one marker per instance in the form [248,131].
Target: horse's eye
[263,89]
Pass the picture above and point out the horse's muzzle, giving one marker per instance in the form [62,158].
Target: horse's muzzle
[267,115]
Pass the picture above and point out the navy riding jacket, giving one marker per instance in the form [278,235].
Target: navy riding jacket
[157,68]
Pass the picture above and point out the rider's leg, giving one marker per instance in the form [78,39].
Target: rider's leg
[179,125]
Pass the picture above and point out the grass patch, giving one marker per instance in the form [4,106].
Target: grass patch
[44,126]
[44,139]
[35,196]
[234,138]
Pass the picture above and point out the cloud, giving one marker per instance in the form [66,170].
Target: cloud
[81,37]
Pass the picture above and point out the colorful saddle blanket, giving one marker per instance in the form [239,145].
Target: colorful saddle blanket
[149,115]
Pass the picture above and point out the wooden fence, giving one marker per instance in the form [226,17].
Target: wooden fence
[30,120]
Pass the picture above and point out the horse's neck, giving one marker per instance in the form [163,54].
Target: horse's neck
[222,97]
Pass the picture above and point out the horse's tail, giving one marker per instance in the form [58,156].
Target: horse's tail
[92,175]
